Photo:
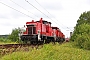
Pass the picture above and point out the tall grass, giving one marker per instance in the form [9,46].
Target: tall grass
[5,41]
[51,52]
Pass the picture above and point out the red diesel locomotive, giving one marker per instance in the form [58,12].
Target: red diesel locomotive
[42,32]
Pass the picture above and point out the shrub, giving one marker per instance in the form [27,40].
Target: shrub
[81,36]
[14,36]
[5,40]
[83,41]
[86,45]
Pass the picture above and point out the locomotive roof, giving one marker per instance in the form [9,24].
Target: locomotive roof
[44,21]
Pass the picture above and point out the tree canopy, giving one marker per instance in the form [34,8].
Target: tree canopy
[84,18]
[81,34]
[14,36]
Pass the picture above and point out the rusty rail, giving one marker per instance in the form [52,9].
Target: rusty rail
[5,46]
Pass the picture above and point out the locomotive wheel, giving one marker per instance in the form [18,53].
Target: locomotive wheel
[53,41]
[59,41]
[46,41]
[34,42]
[40,42]
[31,42]
[25,41]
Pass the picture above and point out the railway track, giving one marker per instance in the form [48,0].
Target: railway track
[10,48]
[6,46]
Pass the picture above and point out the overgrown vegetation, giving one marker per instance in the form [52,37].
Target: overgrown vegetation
[81,34]
[51,52]
[13,37]
[6,41]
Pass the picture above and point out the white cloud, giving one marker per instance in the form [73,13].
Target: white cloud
[66,12]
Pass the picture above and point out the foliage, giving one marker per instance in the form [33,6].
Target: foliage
[84,18]
[5,40]
[51,52]
[81,34]
[82,41]
[14,36]
[80,30]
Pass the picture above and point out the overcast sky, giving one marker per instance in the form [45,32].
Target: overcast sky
[64,13]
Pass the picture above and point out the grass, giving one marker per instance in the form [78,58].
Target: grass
[64,51]
[6,41]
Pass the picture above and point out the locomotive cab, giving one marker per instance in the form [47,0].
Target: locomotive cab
[31,29]
[32,33]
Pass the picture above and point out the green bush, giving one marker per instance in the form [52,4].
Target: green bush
[86,45]
[81,36]
[83,41]
[14,36]
[5,40]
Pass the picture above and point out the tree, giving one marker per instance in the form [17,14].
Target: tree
[84,18]
[81,34]
[14,36]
